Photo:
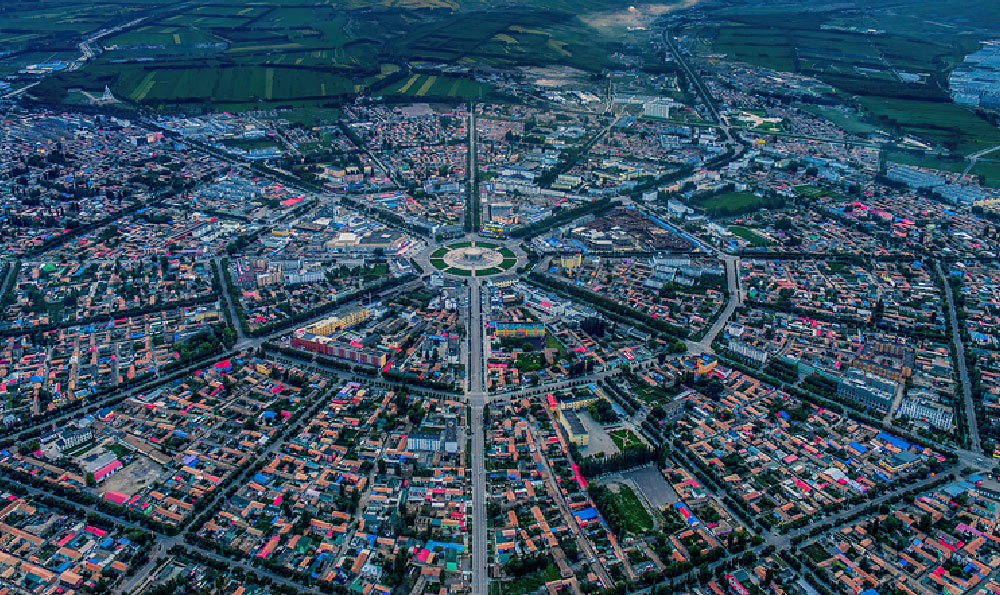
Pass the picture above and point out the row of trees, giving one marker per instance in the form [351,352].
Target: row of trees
[611,308]
[563,217]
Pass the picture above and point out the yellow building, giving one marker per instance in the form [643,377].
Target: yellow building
[331,325]
[576,432]
[520,330]
[571,262]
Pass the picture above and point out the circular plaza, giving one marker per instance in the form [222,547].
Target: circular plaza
[473,259]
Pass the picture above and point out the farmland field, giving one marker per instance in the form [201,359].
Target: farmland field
[154,85]
[320,53]
[841,118]
[864,69]
[990,170]
[931,161]
[938,122]
[422,85]
[161,35]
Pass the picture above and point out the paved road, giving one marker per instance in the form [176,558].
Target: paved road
[471,203]
[735,300]
[974,158]
[168,542]
[696,80]
[477,401]
[12,269]
[583,544]
[228,302]
[963,373]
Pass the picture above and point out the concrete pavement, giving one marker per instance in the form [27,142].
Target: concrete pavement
[963,373]
[732,264]
[477,401]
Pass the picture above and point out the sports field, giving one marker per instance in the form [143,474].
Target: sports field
[755,240]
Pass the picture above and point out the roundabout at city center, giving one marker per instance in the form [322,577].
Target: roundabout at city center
[478,258]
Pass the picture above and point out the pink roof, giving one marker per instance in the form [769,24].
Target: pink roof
[266,550]
[107,470]
[116,497]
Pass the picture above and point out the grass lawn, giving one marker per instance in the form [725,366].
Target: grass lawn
[485,245]
[507,253]
[552,343]
[119,450]
[459,272]
[528,583]
[625,439]
[637,519]
[488,272]
[507,263]
[730,204]
[459,245]
[809,190]
[530,362]
[755,240]
[438,264]
[439,253]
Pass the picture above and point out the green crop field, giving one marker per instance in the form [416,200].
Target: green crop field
[239,84]
[990,170]
[321,53]
[921,160]
[841,118]
[762,48]
[938,122]
[161,35]
[863,67]
[423,85]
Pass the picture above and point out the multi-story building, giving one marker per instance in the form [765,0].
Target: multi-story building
[867,389]
[339,322]
[335,348]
